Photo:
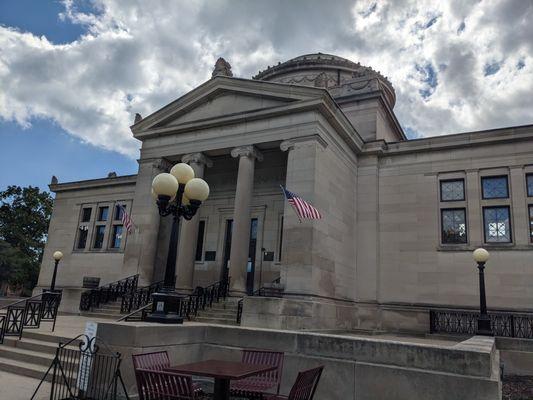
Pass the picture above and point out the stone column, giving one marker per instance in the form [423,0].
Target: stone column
[240,239]
[141,245]
[189,231]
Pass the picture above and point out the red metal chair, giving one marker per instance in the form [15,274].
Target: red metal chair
[155,361]
[258,385]
[164,385]
[304,387]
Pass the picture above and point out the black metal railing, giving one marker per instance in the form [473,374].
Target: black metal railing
[93,298]
[29,314]
[139,297]
[269,291]
[464,322]
[83,368]
[200,299]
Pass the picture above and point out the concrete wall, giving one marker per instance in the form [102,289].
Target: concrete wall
[355,368]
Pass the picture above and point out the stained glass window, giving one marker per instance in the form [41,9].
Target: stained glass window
[495,187]
[452,190]
[497,224]
[529,180]
[453,225]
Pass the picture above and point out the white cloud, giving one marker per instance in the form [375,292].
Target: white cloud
[137,57]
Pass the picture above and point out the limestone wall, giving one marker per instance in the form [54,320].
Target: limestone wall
[355,368]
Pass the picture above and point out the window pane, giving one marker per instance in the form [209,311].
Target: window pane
[99,236]
[82,236]
[497,224]
[454,226]
[102,213]
[495,187]
[531,223]
[117,236]
[119,211]
[529,180]
[452,190]
[86,215]
[200,241]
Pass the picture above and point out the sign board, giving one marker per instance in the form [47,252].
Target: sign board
[86,358]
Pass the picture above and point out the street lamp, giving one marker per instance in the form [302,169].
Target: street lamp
[179,194]
[483,323]
[57,257]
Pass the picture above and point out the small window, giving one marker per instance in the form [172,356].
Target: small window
[452,190]
[102,213]
[495,187]
[117,237]
[531,223]
[200,241]
[99,236]
[529,182]
[497,224]
[82,236]
[119,211]
[86,214]
[453,225]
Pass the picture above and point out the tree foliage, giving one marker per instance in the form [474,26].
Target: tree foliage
[24,218]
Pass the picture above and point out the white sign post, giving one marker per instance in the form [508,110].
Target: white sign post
[87,355]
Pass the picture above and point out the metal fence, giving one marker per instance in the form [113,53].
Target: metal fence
[464,322]
[111,292]
[29,314]
[82,370]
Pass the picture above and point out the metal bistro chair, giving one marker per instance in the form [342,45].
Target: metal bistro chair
[304,387]
[159,385]
[259,385]
[155,361]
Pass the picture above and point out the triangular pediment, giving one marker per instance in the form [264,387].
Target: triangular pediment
[223,97]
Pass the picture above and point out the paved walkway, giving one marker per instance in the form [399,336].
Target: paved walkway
[16,387]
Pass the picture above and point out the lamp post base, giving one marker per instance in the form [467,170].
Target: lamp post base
[483,326]
[166,308]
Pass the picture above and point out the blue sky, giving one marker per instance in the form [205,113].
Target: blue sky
[30,156]
[73,73]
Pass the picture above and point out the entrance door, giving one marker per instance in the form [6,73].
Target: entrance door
[250,267]
[227,248]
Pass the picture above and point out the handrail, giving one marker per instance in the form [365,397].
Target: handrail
[26,299]
[125,317]
[139,297]
[108,292]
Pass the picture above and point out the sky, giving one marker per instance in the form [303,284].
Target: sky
[74,73]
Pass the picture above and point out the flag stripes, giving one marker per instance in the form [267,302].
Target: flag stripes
[302,208]
[127,221]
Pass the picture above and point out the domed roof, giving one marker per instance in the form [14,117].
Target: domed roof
[327,71]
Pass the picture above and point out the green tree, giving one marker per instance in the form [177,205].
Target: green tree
[24,218]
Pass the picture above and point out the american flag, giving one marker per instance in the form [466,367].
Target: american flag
[302,208]
[127,221]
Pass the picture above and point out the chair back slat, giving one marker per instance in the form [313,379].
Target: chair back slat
[265,357]
[157,385]
[156,361]
[305,385]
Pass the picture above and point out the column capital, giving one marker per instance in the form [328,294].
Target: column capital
[160,163]
[247,151]
[290,144]
[198,158]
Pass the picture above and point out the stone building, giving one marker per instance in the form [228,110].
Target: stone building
[400,217]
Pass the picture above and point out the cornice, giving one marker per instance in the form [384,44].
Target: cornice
[94,183]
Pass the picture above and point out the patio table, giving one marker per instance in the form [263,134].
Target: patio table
[222,371]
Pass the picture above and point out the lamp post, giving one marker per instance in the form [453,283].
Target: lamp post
[179,194]
[57,257]
[483,323]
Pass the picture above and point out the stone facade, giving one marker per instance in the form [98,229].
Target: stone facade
[324,127]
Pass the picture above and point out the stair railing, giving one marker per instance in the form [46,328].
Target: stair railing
[110,292]
[139,297]
[29,313]
[200,299]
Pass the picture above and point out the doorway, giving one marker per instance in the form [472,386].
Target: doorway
[252,248]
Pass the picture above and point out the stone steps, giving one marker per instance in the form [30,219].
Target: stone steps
[222,313]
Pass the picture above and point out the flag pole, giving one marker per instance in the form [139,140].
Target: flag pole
[285,195]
